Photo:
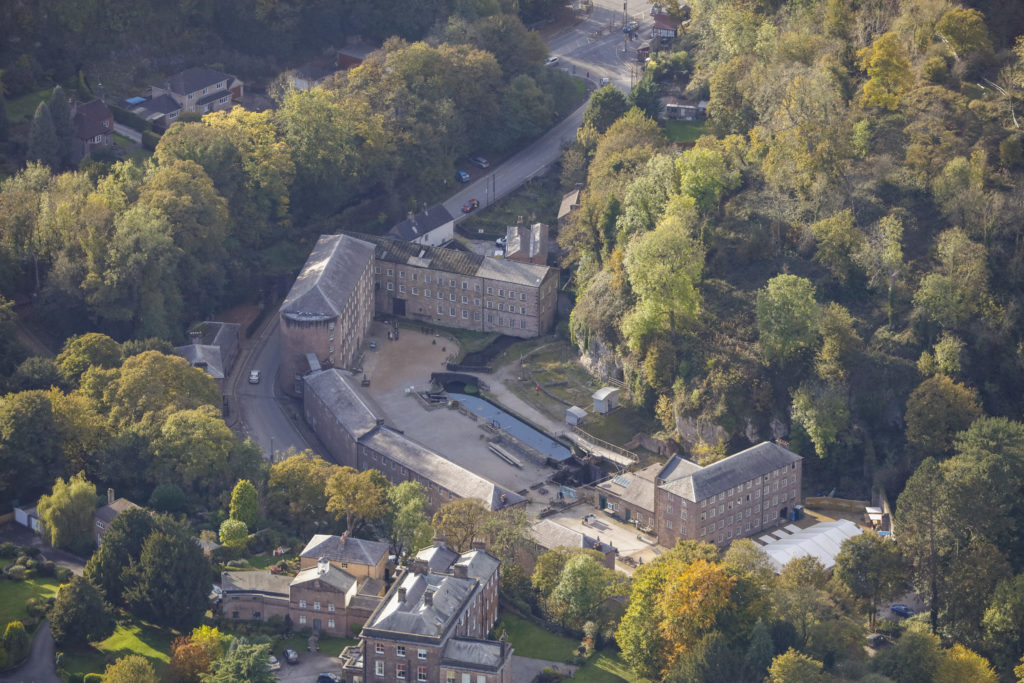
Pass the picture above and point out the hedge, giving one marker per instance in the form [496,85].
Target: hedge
[130,119]
[150,140]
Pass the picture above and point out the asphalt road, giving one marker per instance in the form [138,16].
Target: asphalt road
[595,46]
[267,416]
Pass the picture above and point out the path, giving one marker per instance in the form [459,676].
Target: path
[528,668]
[41,665]
[130,133]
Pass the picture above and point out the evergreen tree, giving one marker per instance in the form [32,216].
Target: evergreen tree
[63,127]
[80,614]
[4,123]
[42,141]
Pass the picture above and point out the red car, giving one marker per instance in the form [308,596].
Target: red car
[470,205]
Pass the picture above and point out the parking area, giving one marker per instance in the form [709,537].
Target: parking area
[311,664]
[396,366]
[625,537]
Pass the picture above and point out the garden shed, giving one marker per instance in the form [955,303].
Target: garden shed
[606,399]
[574,415]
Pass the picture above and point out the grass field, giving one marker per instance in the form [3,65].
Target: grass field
[535,201]
[684,131]
[607,667]
[152,643]
[13,595]
[530,640]
[24,107]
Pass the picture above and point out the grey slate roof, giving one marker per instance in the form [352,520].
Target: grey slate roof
[550,534]
[471,653]
[439,558]
[355,411]
[107,513]
[328,279]
[345,549]
[479,564]
[753,462]
[89,118]
[191,80]
[414,616]
[639,490]
[161,104]
[255,582]
[420,224]
[456,261]
[203,356]
[432,466]
[338,579]
[569,200]
[676,468]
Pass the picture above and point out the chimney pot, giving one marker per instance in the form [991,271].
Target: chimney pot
[460,571]
[428,596]
[110,496]
[401,595]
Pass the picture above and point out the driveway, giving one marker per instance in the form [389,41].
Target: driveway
[40,667]
[310,665]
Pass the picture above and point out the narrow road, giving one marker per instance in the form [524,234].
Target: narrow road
[130,133]
[41,666]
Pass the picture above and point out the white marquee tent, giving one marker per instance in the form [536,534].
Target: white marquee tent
[821,541]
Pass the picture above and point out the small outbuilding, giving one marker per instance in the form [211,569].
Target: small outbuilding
[574,415]
[606,399]
[27,516]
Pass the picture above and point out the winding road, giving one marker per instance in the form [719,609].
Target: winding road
[595,48]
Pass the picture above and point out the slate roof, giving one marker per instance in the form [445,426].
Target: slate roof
[456,261]
[191,80]
[473,653]
[549,534]
[328,279]
[479,564]
[753,462]
[107,513]
[439,558]
[355,411]
[255,582]
[89,118]
[345,549]
[162,104]
[414,616]
[665,22]
[203,356]
[676,468]
[569,200]
[422,223]
[434,467]
[338,579]
[638,489]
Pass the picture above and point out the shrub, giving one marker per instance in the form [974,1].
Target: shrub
[127,118]
[31,551]
[22,560]
[35,607]
[46,568]
[16,641]
[150,140]
[17,573]
[8,550]
[62,574]
[92,678]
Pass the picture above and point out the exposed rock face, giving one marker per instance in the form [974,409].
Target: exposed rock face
[693,431]
[600,360]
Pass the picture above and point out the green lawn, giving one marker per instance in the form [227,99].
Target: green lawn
[24,107]
[267,560]
[122,141]
[13,595]
[141,639]
[684,131]
[530,640]
[607,667]
[536,201]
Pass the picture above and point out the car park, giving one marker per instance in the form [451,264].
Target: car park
[254,377]
[901,610]
[273,664]
[462,176]
[479,161]
[551,61]
[290,656]
[470,205]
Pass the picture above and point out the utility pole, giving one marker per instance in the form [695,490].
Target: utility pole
[625,12]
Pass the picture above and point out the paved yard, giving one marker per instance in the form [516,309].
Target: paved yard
[398,365]
[310,664]
[625,537]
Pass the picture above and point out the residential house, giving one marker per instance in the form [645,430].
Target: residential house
[197,89]
[432,626]
[328,310]
[527,243]
[361,558]
[214,349]
[103,516]
[665,27]
[355,432]
[680,109]
[433,226]
[94,128]
[738,496]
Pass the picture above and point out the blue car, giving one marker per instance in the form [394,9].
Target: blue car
[462,176]
[902,611]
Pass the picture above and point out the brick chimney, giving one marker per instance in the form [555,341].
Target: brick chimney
[428,597]
[401,595]
[479,545]
[459,571]
[110,496]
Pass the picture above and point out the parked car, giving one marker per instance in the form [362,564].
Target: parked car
[373,345]
[500,242]
[462,176]
[901,610]
[470,205]
[328,677]
[254,377]
[291,656]
[630,27]
[273,664]
[605,80]
[876,641]
[551,61]
[479,161]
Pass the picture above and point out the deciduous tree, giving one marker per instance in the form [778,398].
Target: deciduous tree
[16,641]
[607,104]
[130,669]
[243,662]
[460,521]
[889,72]
[583,585]
[234,533]
[296,492]
[872,569]
[67,513]
[937,410]
[787,318]
[796,667]
[85,351]
[358,497]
